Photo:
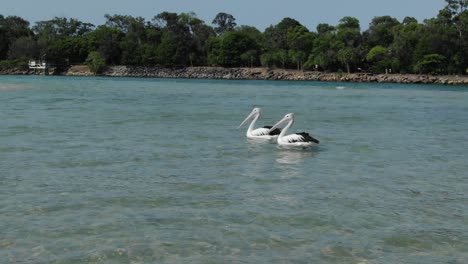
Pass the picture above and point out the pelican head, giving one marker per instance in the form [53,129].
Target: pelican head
[255,112]
[286,118]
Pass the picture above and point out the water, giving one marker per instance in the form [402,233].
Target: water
[101,170]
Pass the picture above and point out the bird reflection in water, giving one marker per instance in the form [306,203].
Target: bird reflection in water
[292,156]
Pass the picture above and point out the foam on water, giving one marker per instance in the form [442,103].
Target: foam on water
[5,87]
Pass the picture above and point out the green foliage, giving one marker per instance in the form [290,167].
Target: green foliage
[224,23]
[106,40]
[406,38]
[431,64]
[276,58]
[457,6]
[377,53]
[233,49]
[96,62]
[349,23]
[23,48]
[438,45]
[347,42]
[324,53]
[11,28]
[249,58]
[300,42]
[381,31]
[276,37]
[214,51]
[61,26]
[324,29]
[381,60]
[13,64]
[346,57]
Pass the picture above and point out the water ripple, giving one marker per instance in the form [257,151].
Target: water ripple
[126,170]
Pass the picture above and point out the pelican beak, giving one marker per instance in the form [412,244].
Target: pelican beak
[250,116]
[278,124]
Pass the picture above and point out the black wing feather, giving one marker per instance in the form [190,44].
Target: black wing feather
[277,131]
[308,138]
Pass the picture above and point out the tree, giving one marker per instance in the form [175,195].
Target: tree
[213,46]
[133,31]
[298,57]
[324,29]
[380,31]
[381,60]
[166,50]
[227,50]
[300,41]
[106,41]
[62,27]
[409,20]
[346,56]
[282,56]
[432,64]
[96,62]
[348,40]
[457,6]
[439,36]
[183,39]
[199,33]
[276,37]
[348,22]
[324,50]
[459,14]
[224,23]
[23,48]
[252,32]
[11,28]
[249,57]
[406,37]
[63,39]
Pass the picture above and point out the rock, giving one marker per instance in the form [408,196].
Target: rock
[250,74]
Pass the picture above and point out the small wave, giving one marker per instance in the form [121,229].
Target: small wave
[340,87]
[5,87]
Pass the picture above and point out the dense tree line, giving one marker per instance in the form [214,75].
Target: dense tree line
[437,46]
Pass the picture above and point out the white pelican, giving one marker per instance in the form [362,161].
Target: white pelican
[302,140]
[265,132]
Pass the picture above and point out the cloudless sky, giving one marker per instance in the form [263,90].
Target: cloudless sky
[258,13]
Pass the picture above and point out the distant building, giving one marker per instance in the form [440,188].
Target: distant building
[41,65]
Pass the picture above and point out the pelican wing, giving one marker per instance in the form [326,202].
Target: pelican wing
[274,132]
[300,137]
[260,132]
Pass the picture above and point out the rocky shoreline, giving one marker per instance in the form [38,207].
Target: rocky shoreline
[254,74]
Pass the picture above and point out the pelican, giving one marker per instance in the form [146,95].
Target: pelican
[265,132]
[302,140]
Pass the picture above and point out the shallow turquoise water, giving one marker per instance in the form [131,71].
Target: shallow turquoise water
[101,170]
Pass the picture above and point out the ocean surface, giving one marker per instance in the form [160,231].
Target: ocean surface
[127,170]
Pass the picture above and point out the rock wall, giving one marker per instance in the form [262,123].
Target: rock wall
[278,74]
[254,74]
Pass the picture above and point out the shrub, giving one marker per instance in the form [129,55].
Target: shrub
[13,64]
[96,62]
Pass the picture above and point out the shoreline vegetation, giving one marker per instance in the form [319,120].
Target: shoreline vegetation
[258,73]
[182,45]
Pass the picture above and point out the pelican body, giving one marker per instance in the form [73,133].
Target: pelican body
[263,133]
[297,140]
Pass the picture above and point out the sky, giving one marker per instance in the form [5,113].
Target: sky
[258,13]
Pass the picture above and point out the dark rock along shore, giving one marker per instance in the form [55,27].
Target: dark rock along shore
[255,74]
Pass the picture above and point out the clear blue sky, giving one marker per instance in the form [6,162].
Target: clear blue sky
[258,13]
